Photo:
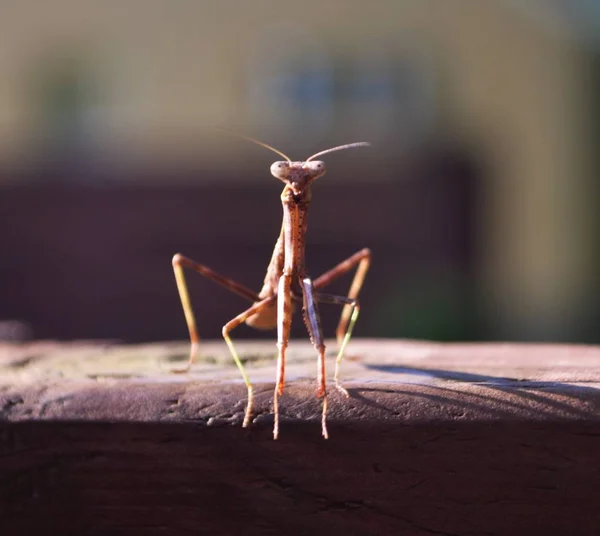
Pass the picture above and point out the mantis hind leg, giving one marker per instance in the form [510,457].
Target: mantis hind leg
[179,263]
[362,260]
[354,308]
[227,328]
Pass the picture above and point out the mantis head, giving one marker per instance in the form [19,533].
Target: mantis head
[298,175]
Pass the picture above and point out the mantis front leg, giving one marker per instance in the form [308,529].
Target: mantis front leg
[284,324]
[313,323]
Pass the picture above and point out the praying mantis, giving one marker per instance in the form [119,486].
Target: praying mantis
[287,284]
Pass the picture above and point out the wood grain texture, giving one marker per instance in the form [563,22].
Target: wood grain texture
[435,439]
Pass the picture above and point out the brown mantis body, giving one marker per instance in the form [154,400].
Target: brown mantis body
[286,284]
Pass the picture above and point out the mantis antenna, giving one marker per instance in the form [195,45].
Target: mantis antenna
[257,142]
[267,146]
[340,148]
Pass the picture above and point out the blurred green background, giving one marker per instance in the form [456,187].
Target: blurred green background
[479,197]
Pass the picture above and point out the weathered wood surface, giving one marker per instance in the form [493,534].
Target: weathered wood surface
[435,439]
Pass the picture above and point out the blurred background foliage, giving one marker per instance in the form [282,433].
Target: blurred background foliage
[479,197]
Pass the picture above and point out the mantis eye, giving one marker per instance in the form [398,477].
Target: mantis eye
[316,166]
[279,169]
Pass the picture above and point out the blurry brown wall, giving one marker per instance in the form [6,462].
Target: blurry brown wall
[94,262]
